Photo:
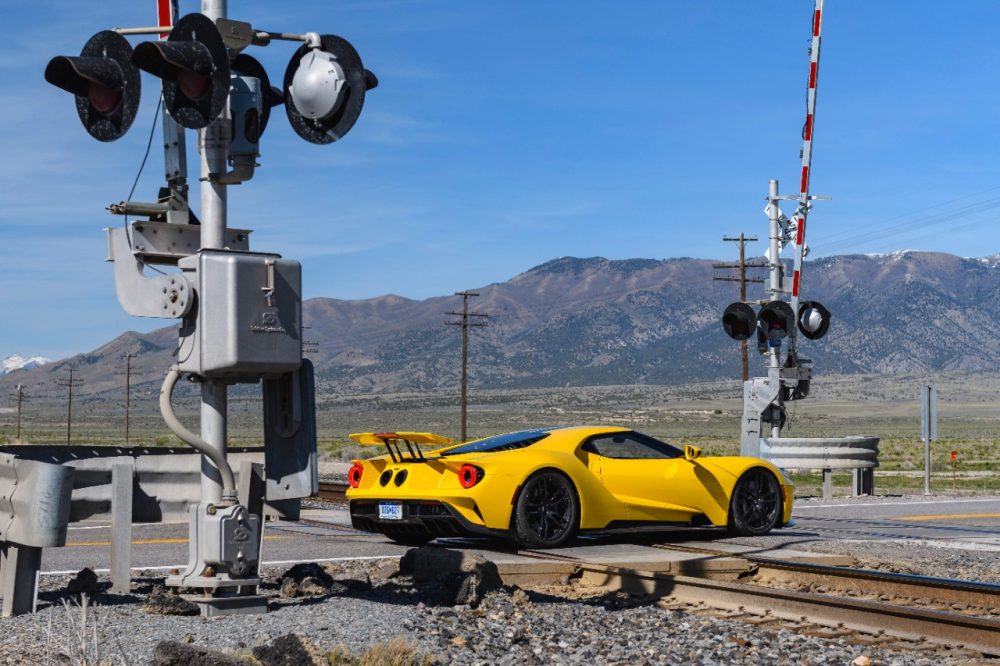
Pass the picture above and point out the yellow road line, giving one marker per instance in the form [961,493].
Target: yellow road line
[951,516]
[144,542]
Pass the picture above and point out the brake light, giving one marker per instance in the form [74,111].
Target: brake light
[469,475]
[354,475]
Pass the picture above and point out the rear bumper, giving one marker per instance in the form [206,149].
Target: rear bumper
[421,518]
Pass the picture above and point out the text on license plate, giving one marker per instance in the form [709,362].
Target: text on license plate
[390,510]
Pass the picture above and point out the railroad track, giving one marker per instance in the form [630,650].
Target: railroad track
[330,491]
[867,607]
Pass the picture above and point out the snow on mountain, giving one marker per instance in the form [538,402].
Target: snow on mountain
[18,362]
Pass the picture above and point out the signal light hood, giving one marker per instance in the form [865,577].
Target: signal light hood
[105,83]
[194,66]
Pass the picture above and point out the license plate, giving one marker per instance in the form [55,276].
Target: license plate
[390,510]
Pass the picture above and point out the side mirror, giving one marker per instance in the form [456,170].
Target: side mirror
[691,452]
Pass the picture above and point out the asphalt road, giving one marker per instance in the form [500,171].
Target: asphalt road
[965,523]
[970,523]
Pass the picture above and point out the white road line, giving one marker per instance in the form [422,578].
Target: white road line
[272,563]
[89,527]
[800,507]
[955,545]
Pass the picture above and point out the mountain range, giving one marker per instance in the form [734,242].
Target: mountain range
[594,321]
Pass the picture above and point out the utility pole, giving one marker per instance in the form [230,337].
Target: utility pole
[69,383]
[128,385]
[468,320]
[743,280]
[19,397]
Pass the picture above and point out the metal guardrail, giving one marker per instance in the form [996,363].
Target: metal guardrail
[856,453]
[34,512]
[166,480]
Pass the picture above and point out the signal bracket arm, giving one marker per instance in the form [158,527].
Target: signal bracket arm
[162,296]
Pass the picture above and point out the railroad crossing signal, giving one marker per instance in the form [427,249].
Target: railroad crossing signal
[775,321]
[247,325]
[323,91]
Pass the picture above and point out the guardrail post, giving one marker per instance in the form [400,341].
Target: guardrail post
[122,479]
[827,483]
[863,482]
[19,567]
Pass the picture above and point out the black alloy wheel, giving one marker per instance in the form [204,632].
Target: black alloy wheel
[547,512]
[755,508]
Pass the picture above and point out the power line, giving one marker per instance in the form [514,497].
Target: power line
[842,241]
[468,321]
[743,266]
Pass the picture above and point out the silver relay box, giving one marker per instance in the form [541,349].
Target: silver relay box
[255,328]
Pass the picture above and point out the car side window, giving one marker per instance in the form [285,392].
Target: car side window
[631,446]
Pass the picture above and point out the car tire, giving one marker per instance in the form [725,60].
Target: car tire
[547,511]
[755,507]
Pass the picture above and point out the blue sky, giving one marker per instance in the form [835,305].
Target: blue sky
[506,134]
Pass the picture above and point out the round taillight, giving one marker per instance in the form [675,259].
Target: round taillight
[354,475]
[469,475]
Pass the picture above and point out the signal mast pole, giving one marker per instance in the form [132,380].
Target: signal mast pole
[213,143]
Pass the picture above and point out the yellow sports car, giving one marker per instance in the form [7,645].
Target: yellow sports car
[539,488]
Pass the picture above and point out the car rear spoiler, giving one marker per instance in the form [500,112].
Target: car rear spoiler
[391,441]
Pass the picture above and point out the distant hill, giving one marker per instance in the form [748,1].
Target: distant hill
[575,322]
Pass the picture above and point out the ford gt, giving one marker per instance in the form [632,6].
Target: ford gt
[540,488]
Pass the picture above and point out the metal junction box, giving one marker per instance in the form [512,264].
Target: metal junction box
[246,322]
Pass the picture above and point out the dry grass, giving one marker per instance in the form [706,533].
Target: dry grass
[82,641]
[397,652]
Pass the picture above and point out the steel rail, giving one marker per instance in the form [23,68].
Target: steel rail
[864,616]
[868,581]
[945,628]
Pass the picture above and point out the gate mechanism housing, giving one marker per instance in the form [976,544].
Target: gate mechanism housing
[258,333]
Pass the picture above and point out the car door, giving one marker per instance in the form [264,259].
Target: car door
[650,477]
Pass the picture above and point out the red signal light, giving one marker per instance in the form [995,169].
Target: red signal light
[354,475]
[103,98]
[469,475]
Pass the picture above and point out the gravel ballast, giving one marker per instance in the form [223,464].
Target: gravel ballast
[368,606]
